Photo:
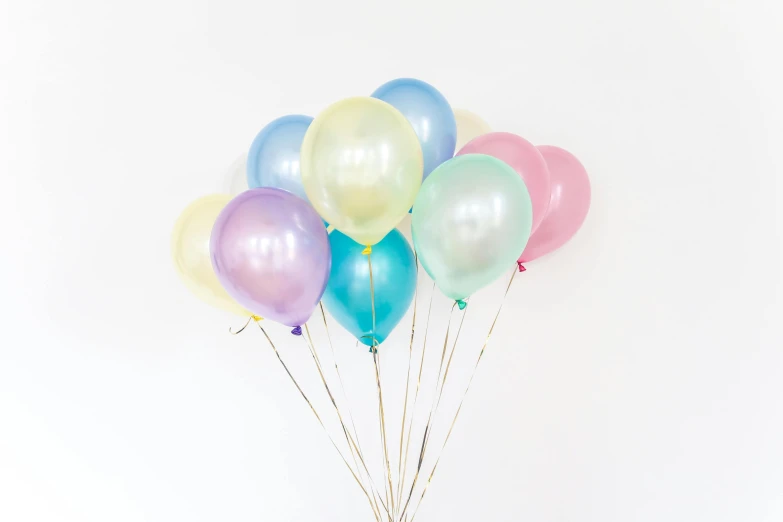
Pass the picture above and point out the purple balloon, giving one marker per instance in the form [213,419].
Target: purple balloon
[271,253]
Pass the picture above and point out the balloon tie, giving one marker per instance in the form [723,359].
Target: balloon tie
[375,343]
[462,304]
[521,266]
[297,330]
[255,318]
[367,250]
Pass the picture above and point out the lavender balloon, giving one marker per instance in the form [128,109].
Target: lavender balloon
[271,253]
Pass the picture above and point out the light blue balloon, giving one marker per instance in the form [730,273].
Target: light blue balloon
[273,159]
[347,295]
[430,115]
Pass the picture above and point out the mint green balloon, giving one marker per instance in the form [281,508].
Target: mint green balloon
[471,221]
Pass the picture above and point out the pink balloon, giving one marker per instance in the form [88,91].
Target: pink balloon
[523,157]
[568,204]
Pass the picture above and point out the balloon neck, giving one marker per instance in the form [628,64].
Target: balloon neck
[462,304]
[297,330]
[375,343]
[256,318]
[367,250]
[521,266]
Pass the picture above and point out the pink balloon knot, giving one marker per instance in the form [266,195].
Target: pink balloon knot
[521,266]
[297,330]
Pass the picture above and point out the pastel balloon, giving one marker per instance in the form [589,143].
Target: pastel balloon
[430,115]
[524,158]
[361,167]
[468,233]
[568,206]
[348,294]
[469,126]
[270,252]
[190,252]
[273,159]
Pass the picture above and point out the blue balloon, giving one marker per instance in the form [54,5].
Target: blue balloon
[347,295]
[430,115]
[273,159]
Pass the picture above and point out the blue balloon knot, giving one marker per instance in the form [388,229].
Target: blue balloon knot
[462,304]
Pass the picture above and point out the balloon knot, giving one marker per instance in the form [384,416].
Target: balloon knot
[367,250]
[256,318]
[297,330]
[462,304]
[521,266]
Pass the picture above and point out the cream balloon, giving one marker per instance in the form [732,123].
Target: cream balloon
[190,252]
[235,178]
[362,167]
[469,126]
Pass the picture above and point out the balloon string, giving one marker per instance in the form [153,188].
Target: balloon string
[318,417]
[427,426]
[251,318]
[408,378]
[348,408]
[352,446]
[467,388]
[446,372]
[416,394]
[368,251]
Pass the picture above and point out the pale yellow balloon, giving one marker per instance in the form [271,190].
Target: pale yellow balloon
[469,126]
[190,252]
[362,167]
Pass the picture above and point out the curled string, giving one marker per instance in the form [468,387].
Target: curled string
[467,388]
[416,394]
[407,380]
[318,417]
[381,414]
[251,318]
[352,446]
[427,427]
[359,449]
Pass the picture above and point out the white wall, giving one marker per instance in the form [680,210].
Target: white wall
[637,375]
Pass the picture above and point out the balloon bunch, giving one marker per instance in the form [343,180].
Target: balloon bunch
[325,195]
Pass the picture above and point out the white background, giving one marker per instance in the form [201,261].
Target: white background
[636,375]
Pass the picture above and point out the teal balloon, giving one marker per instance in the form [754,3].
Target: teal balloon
[347,295]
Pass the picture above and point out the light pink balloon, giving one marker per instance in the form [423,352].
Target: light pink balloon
[522,156]
[568,204]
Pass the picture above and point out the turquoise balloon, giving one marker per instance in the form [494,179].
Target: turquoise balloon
[347,295]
